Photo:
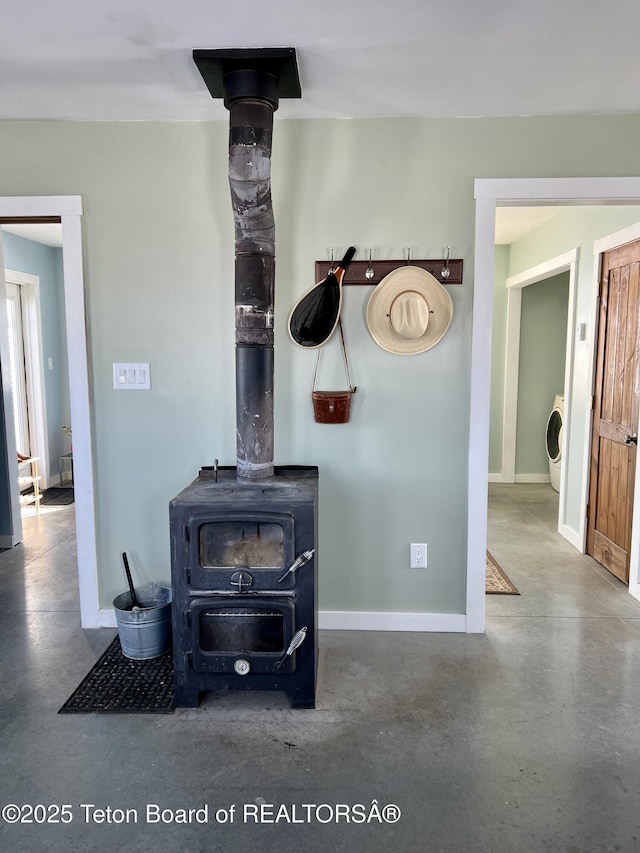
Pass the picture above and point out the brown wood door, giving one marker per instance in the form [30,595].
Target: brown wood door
[615,411]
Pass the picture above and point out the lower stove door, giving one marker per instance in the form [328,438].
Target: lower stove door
[243,635]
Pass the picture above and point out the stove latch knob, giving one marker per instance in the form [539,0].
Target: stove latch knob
[242,580]
[242,666]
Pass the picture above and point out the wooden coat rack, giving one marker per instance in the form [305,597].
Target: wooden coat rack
[356,274]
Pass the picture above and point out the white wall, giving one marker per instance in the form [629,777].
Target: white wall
[498,344]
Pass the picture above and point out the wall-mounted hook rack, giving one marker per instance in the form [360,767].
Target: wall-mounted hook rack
[357,272]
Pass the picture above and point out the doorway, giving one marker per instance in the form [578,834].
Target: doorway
[536,358]
[68,211]
[488,194]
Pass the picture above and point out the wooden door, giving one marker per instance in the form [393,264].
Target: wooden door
[615,411]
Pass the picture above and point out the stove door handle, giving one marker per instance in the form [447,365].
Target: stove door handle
[298,640]
[302,560]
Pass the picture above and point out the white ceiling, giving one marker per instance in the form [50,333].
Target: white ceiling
[118,60]
[124,60]
[512,223]
[48,233]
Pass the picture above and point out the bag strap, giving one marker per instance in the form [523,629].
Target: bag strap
[344,356]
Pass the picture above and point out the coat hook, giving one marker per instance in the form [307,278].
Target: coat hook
[333,264]
[408,255]
[369,272]
[446,272]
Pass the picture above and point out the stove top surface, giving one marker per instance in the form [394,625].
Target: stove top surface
[298,483]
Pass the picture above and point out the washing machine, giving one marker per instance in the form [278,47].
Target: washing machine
[555,425]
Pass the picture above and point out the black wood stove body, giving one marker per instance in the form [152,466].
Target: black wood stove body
[237,607]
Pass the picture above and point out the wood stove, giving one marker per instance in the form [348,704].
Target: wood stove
[236,605]
[243,538]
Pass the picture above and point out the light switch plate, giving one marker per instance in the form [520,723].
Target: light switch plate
[131,377]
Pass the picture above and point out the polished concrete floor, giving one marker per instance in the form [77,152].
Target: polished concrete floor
[523,739]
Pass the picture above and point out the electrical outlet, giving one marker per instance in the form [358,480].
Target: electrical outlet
[418,555]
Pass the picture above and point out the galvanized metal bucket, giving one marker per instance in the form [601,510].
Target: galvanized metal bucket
[144,633]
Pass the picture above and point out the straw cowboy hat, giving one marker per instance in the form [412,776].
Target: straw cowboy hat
[409,311]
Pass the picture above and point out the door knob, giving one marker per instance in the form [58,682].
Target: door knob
[631,439]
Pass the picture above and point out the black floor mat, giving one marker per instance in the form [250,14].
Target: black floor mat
[57,496]
[119,685]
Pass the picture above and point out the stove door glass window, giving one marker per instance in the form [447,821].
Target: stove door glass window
[242,629]
[231,544]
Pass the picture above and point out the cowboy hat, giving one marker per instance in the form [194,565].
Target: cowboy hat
[409,311]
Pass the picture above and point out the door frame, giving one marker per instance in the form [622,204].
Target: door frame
[526,192]
[69,209]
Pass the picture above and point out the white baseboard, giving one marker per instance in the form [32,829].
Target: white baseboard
[7,542]
[520,478]
[347,620]
[572,537]
[634,590]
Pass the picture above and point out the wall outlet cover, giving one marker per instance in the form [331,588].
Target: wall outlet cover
[418,555]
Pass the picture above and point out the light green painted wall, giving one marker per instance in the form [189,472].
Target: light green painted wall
[159,273]
[541,365]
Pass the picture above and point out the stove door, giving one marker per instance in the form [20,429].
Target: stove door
[242,634]
[262,543]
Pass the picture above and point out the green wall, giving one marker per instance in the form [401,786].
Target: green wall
[543,339]
[159,274]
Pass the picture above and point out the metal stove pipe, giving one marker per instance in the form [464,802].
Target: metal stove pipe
[251,81]
[252,98]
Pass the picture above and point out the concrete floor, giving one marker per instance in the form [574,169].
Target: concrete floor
[524,739]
